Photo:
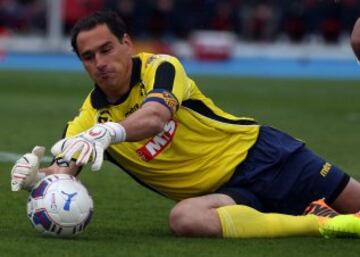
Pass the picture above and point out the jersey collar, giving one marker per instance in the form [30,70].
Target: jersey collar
[98,98]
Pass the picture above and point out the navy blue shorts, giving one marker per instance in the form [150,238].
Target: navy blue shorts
[281,175]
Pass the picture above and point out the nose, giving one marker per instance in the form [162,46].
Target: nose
[100,62]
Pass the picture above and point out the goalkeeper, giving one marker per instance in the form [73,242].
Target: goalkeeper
[230,176]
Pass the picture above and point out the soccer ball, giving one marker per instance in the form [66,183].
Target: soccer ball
[59,205]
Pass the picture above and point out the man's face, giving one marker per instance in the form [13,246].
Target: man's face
[107,60]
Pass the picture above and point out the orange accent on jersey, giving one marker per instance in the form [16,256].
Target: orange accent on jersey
[168,98]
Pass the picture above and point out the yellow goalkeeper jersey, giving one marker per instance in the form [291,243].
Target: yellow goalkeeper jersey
[198,149]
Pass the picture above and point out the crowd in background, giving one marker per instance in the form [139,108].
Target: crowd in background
[252,20]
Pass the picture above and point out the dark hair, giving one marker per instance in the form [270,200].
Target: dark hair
[113,21]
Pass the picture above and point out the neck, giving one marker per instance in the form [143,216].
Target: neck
[114,95]
[122,88]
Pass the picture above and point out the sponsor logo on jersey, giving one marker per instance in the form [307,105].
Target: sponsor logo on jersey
[142,89]
[325,169]
[150,59]
[104,116]
[132,109]
[158,143]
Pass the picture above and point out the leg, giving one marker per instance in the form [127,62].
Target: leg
[197,216]
[348,200]
[217,215]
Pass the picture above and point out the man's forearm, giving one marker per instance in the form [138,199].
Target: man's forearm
[146,122]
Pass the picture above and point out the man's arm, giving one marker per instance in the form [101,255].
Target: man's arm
[90,145]
[148,121]
[355,39]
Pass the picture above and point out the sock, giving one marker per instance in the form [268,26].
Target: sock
[240,221]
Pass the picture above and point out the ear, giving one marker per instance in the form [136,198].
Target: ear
[355,39]
[127,41]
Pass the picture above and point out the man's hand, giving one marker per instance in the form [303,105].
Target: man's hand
[24,173]
[90,145]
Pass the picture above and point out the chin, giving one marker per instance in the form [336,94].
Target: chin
[105,82]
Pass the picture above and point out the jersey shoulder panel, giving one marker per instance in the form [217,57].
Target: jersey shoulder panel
[165,73]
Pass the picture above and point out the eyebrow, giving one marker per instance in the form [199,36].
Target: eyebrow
[99,47]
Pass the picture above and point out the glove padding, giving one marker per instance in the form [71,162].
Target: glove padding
[87,146]
[24,174]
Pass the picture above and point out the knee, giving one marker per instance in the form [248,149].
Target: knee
[181,220]
[197,217]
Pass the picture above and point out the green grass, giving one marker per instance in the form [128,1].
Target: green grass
[132,221]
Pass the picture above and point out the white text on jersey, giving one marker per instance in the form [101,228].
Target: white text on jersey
[158,143]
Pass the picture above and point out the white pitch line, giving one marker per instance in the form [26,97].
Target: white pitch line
[12,157]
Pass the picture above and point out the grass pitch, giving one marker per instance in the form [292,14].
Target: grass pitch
[132,221]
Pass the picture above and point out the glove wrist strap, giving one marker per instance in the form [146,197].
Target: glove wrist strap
[118,133]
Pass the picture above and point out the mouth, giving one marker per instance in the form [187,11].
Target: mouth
[104,75]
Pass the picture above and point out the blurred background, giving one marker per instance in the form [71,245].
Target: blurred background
[241,33]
